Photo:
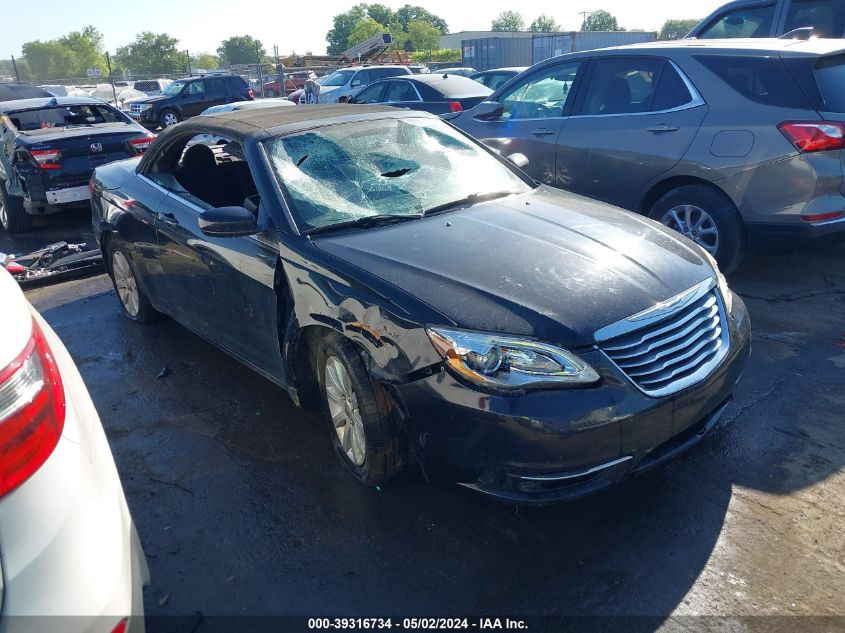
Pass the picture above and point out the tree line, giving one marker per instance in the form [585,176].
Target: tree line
[600,20]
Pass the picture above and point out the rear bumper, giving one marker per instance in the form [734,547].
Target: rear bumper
[44,194]
[68,546]
[554,445]
[764,236]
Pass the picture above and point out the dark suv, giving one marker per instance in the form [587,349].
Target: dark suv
[187,97]
[773,18]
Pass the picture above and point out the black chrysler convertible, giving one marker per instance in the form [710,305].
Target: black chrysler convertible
[442,308]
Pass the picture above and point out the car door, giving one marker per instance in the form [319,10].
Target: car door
[221,287]
[634,119]
[216,92]
[403,94]
[371,94]
[193,98]
[534,111]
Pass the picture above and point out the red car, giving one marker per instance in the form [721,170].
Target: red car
[293,81]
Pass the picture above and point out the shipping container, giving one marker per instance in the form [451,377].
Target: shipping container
[553,44]
[496,52]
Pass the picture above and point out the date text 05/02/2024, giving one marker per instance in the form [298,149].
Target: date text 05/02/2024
[413,624]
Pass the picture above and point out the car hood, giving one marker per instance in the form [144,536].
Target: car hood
[546,264]
[150,99]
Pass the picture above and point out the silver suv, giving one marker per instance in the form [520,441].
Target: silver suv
[346,82]
[731,143]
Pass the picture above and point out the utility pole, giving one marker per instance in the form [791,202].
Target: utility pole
[111,80]
[260,73]
[15,66]
[280,73]
[188,57]
[584,15]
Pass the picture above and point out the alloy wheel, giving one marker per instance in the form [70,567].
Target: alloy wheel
[170,119]
[4,218]
[695,223]
[344,411]
[125,283]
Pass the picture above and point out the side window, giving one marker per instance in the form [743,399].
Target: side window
[361,79]
[401,91]
[760,79]
[542,95]
[496,80]
[671,91]
[742,22]
[196,88]
[827,17]
[216,85]
[622,85]
[370,94]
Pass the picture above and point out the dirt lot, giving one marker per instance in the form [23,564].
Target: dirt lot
[243,508]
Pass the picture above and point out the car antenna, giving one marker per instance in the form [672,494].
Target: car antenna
[445,75]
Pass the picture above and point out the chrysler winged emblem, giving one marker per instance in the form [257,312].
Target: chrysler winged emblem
[96,147]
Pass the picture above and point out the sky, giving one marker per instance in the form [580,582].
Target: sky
[201,26]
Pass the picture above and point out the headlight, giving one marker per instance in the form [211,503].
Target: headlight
[494,360]
[727,296]
[145,106]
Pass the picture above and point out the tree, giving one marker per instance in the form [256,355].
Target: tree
[600,21]
[508,21]
[152,54]
[338,36]
[381,14]
[241,49]
[364,30]
[544,24]
[205,61]
[410,13]
[423,36]
[86,50]
[47,60]
[676,29]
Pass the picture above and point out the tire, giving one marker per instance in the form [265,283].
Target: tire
[168,118]
[13,215]
[384,451]
[130,293]
[707,217]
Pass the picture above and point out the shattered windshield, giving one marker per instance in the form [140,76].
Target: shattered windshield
[340,173]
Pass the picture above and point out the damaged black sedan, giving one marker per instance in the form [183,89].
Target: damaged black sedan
[441,308]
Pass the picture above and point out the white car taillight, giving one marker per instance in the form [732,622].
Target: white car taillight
[142,144]
[32,411]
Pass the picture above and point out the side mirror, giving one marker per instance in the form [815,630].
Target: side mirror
[228,222]
[489,111]
[519,159]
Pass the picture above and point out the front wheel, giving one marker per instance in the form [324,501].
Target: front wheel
[708,218]
[136,306]
[169,118]
[365,434]
[13,215]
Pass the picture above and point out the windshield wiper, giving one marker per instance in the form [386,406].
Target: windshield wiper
[471,199]
[365,222]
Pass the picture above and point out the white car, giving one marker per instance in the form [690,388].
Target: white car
[247,105]
[346,82]
[68,546]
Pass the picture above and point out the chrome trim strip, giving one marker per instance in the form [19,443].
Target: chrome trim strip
[656,312]
[575,475]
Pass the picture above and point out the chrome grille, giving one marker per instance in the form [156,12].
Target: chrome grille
[664,351]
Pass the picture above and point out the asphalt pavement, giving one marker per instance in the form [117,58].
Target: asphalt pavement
[243,508]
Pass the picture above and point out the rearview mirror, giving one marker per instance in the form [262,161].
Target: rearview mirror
[228,222]
[519,159]
[489,111]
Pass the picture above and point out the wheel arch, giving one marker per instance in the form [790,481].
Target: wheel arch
[654,193]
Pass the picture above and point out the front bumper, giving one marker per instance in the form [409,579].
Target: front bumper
[553,445]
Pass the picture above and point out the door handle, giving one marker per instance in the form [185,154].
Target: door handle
[661,128]
[167,218]
[543,131]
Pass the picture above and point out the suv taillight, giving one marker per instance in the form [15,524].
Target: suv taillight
[47,158]
[455,106]
[814,136]
[250,93]
[32,411]
[142,144]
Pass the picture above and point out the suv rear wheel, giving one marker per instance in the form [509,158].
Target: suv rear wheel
[168,118]
[13,216]
[708,218]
